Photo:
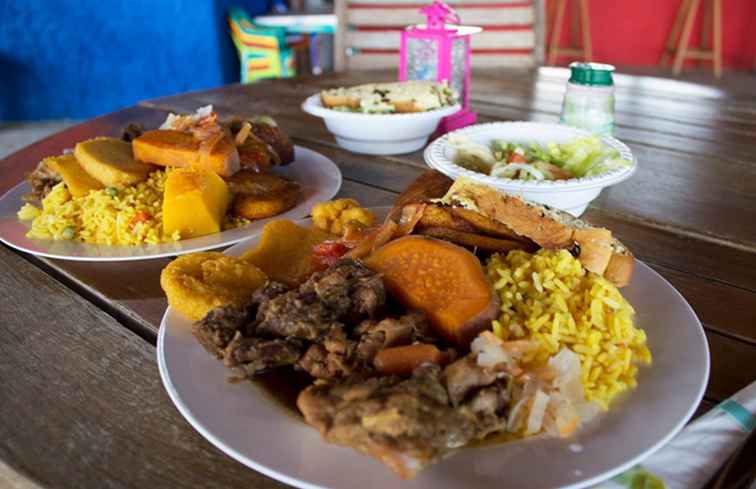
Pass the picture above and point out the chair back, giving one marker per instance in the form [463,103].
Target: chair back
[368,31]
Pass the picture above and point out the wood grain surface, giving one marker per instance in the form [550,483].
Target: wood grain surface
[82,334]
[83,405]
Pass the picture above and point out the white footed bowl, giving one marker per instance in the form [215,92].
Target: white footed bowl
[378,134]
[571,195]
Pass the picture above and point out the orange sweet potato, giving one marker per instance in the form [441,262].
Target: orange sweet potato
[443,280]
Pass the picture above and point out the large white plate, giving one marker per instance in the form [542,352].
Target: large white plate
[319,177]
[244,422]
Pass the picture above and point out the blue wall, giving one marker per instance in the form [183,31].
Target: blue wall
[81,58]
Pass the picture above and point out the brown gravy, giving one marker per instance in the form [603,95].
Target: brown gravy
[283,385]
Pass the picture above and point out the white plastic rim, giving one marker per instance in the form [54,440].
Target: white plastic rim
[313,105]
[440,155]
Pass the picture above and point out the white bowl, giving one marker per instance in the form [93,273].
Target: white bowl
[378,134]
[571,195]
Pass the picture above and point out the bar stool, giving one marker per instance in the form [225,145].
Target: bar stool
[677,48]
[580,26]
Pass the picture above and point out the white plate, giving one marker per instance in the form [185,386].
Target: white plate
[572,195]
[319,177]
[245,423]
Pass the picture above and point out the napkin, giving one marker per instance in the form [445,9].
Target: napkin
[692,458]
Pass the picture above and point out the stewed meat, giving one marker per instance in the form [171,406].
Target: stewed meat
[374,336]
[216,330]
[464,376]
[405,423]
[345,293]
[410,423]
[250,356]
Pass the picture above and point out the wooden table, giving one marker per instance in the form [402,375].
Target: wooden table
[81,400]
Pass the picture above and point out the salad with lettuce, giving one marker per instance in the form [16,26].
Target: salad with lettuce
[582,157]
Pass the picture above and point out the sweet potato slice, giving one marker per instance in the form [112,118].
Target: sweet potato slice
[182,149]
[443,280]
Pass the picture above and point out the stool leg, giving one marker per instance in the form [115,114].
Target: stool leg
[682,46]
[717,38]
[585,22]
[556,31]
[674,33]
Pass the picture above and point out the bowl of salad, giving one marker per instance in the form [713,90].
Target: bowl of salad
[553,164]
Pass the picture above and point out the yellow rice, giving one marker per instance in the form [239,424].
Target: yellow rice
[108,216]
[548,297]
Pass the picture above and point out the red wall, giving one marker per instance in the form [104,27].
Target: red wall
[634,32]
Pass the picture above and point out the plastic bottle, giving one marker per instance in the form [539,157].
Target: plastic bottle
[589,98]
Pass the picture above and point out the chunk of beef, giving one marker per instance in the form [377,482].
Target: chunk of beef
[249,356]
[374,336]
[267,292]
[216,330]
[131,132]
[292,315]
[343,294]
[42,180]
[220,325]
[348,287]
[464,376]
[406,424]
[333,358]
[488,408]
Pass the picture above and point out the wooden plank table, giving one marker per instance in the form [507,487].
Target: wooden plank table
[81,396]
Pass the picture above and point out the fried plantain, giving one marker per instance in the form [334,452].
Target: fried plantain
[261,195]
[198,282]
[472,240]
[485,224]
[438,216]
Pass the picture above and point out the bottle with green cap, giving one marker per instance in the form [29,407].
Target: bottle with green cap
[589,99]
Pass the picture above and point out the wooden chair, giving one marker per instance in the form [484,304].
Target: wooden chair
[677,48]
[580,27]
[367,35]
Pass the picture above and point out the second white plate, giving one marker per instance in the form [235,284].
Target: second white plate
[319,177]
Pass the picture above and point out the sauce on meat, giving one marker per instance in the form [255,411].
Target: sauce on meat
[282,386]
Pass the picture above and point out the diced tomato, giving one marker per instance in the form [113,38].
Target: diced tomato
[140,216]
[516,158]
[327,253]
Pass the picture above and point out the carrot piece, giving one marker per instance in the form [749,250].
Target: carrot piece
[402,360]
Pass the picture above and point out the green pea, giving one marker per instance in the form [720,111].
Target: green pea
[69,232]
[112,191]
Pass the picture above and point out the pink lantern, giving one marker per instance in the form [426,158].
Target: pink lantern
[440,50]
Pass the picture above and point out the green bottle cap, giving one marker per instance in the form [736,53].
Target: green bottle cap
[594,74]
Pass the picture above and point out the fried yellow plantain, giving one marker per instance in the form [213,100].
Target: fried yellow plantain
[284,252]
[485,224]
[198,282]
[471,240]
[261,195]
